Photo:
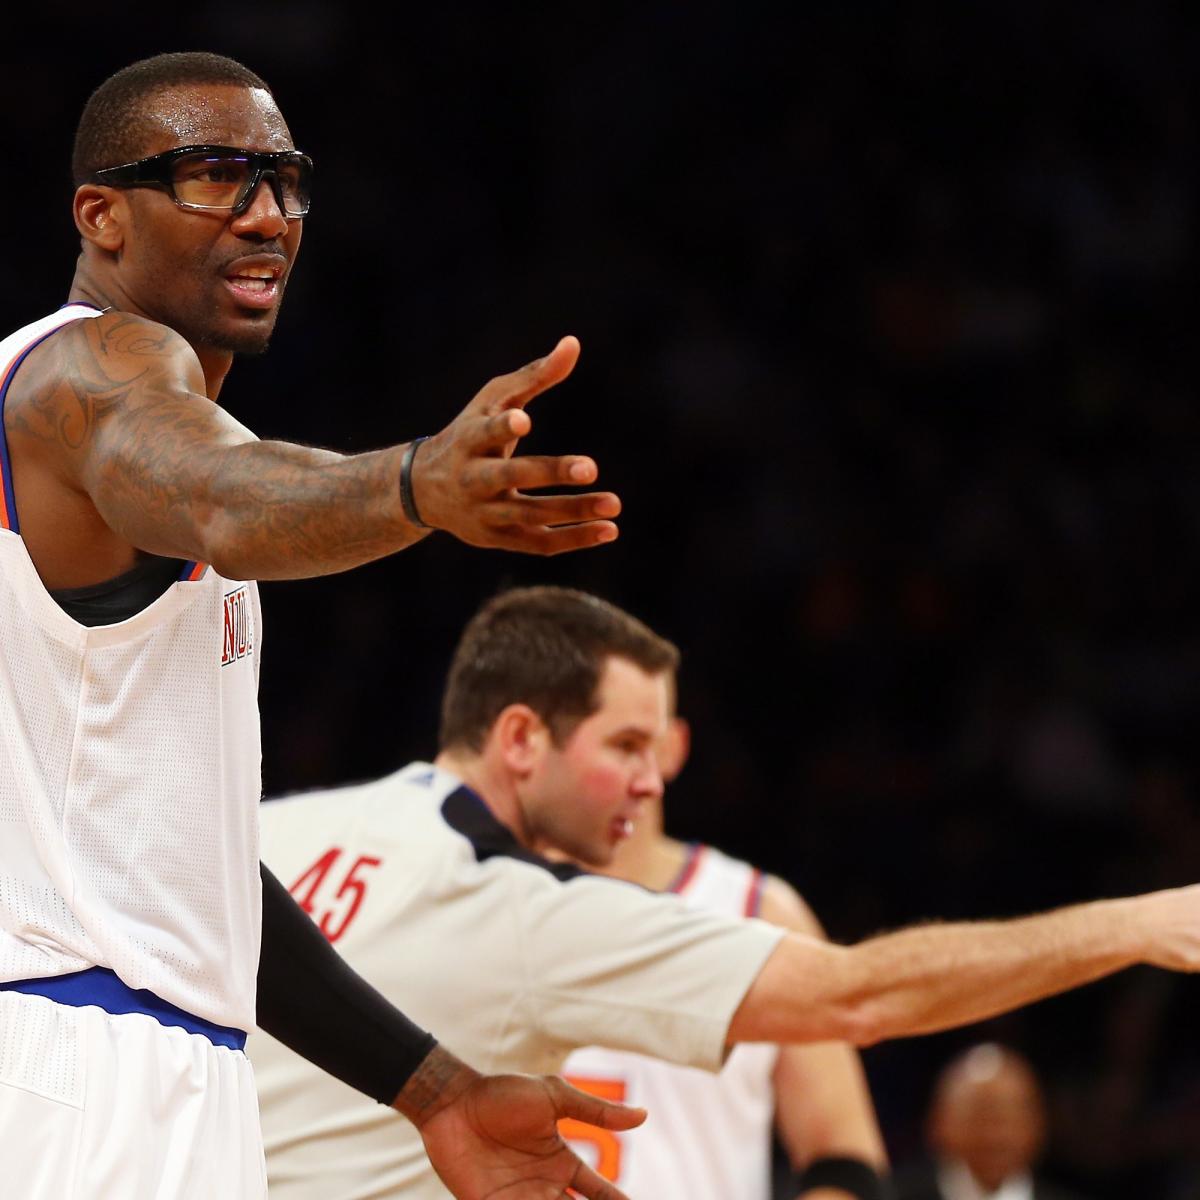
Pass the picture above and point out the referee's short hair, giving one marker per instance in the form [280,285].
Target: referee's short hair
[545,647]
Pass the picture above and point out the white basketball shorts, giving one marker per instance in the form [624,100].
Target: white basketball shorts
[102,1106]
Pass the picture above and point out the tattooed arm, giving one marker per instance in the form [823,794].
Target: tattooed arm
[125,420]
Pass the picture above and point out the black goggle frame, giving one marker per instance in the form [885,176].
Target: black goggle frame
[156,170]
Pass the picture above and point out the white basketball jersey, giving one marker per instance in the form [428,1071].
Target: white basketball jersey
[129,776]
[708,1136]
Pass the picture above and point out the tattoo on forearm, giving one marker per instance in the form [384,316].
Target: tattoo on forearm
[428,1083]
[174,473]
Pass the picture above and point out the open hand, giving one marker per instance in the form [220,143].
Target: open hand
[498,1139]
[467,482]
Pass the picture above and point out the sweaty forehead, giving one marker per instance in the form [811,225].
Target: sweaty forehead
[219,114]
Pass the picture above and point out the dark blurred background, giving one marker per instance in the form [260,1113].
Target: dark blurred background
[887,327]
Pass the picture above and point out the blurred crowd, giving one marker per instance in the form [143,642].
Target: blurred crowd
[885,321]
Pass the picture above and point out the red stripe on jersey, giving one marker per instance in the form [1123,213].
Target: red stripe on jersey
[754,893]
[687,872]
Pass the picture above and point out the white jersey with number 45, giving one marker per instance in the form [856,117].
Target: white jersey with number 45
[708,1136]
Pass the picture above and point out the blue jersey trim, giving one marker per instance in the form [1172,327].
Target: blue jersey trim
[101,988]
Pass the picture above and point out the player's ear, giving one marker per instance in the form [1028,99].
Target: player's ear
[521,737]
[101,214]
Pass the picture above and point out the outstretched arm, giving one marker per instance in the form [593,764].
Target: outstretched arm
[823,1108]
[173,474]
[938,976]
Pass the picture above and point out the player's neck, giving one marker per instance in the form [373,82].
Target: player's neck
[93,287]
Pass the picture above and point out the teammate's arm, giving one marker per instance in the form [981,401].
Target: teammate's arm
[172,473]
[823,1108]
[937,976]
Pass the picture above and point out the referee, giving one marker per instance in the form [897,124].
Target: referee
[429,883]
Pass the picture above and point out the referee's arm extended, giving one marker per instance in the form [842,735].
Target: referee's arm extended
[937,976]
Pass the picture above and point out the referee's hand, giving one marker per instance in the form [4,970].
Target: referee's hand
[466,481]
[495,1137]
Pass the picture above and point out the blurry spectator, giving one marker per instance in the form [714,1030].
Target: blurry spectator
[986,1128]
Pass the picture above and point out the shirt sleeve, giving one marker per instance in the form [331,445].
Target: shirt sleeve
[612,964]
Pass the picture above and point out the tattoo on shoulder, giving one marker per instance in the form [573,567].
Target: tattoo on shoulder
[91,370]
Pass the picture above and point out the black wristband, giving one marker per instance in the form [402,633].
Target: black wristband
[852,1175]
[406,493]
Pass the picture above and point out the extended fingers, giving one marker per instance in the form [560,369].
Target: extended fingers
[531,471]
[571,1102]
[548,541]
[587,1183]
[556,510]
[519,387]
[540,524]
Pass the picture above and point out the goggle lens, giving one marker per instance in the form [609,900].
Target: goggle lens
[209,180]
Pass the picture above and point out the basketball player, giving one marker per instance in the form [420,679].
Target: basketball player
[428,882]
[711,1133]
[136,514]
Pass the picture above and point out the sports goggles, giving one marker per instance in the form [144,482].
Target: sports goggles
[220,178]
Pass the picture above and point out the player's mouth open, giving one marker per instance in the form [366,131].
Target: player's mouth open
[622,828]
[255,287]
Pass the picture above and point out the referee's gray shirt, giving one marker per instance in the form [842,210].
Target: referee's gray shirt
[511,961]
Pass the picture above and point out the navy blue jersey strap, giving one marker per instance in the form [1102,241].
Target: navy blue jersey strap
[101,988]
[466,812]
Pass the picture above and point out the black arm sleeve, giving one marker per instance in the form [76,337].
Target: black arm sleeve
[310,999]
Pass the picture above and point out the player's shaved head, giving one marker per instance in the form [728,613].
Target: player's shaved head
[545,647]
[988,1113]
[122,116]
